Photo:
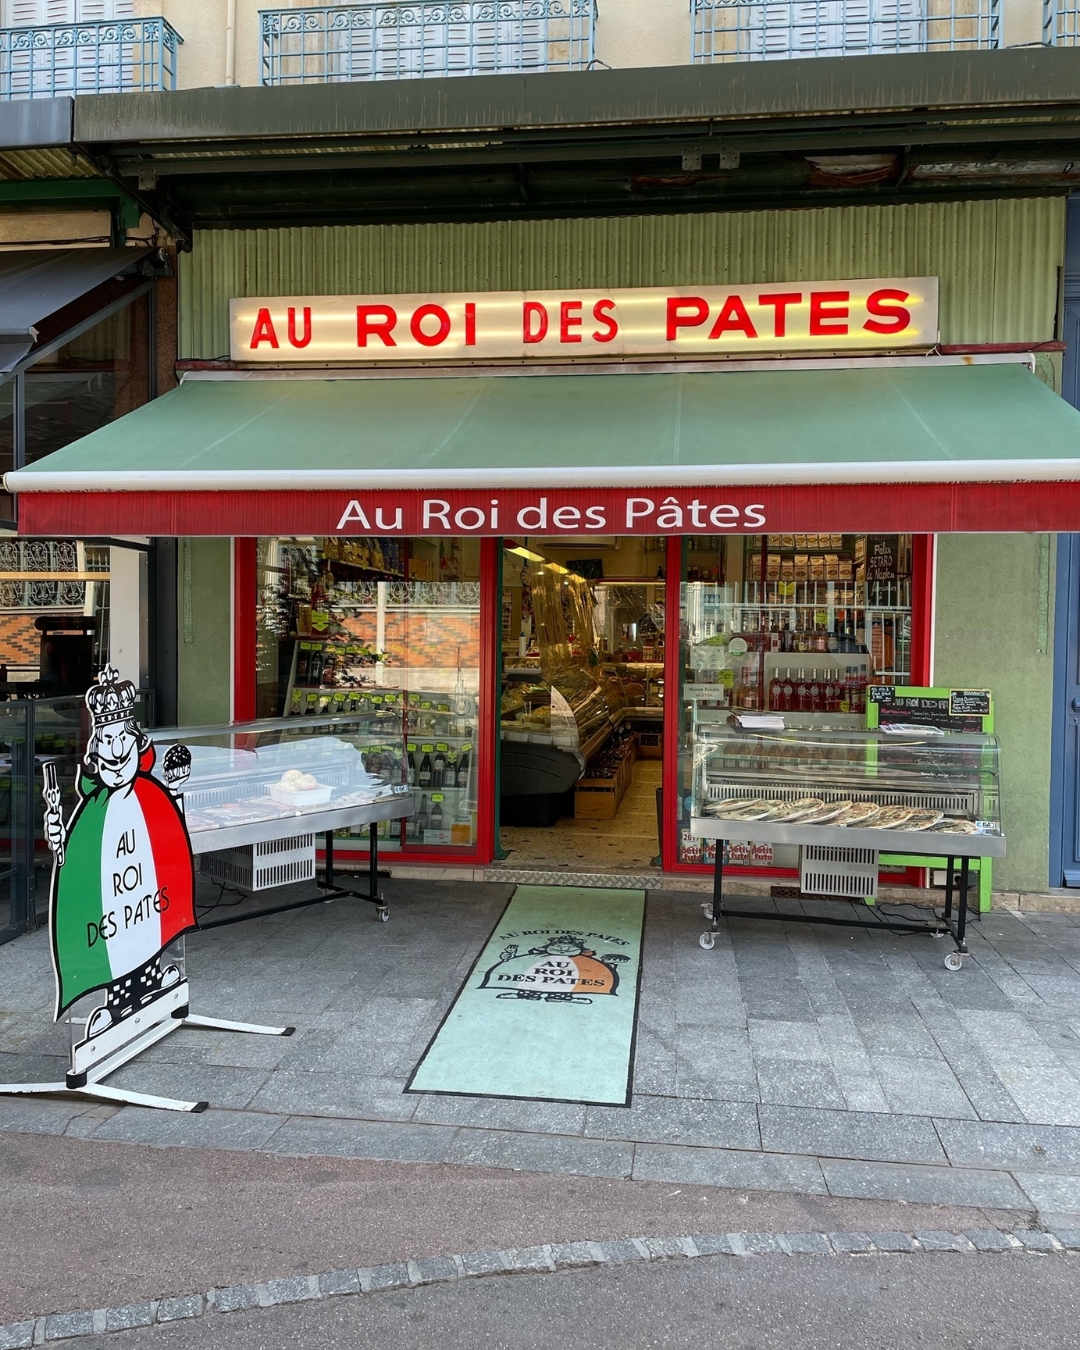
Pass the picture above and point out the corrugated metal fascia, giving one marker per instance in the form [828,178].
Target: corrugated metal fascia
[998,260]
[853,84]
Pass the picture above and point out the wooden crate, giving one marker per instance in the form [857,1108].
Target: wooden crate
[596,799]
[651,744]
[600,798]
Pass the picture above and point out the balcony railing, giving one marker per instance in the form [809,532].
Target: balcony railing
[727,31]
[1061,23]
[108,56]
[400,41]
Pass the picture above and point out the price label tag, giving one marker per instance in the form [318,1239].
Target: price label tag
[821,618]
[427,749]
[437,797]
[440,746]
[426,703]
[410,746]
[466,746]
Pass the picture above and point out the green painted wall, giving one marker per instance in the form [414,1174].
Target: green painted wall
[204,616]
[994,630]
[998,260]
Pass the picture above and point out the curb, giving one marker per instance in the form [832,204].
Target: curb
[544,1259]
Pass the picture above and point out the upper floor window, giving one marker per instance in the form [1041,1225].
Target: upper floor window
[728,31]
[1061,23]
[398,40]
[53,47]
[26,13]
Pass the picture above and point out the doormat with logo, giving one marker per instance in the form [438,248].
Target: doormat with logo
[549,1010]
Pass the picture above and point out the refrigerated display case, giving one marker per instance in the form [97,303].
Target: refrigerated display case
[281,772]
[883,788]
[842,798]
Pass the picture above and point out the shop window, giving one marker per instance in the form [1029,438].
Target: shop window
[90,381]
[799,625]
[386,631]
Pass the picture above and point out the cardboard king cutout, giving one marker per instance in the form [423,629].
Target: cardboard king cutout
[123,877]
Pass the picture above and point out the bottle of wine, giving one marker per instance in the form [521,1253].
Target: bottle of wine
[436,816]
[423,776]
[438,769]
[462,777]
[802,692]
[422,817]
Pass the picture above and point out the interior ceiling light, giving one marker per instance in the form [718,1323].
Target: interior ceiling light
[526,553]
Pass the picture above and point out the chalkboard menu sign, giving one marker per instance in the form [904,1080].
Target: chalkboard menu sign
[881,559]
[974,701]
[948,709]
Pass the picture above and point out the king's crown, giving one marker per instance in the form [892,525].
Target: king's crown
[111,699]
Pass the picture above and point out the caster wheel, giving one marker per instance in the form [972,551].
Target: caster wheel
[954,961]
[708,941]
[384,915]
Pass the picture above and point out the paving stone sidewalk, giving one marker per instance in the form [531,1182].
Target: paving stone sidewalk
[789,1058]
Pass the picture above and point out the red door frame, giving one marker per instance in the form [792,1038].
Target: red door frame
[244,674]
[245,638]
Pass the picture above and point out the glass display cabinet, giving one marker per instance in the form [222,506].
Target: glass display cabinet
[839,784]
[257,794]
[844,797]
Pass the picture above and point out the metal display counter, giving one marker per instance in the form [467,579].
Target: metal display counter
[961,848]
[259,793]
[844,798]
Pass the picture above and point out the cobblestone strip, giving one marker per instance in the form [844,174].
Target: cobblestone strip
[517,1260]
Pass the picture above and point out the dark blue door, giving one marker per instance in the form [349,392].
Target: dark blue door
[1065,797]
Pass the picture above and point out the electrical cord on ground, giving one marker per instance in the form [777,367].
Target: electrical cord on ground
[220,903]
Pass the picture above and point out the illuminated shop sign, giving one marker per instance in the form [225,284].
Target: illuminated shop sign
[882,314]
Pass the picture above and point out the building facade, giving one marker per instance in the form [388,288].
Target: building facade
[596,181]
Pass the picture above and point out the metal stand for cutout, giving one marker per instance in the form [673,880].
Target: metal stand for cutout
[94,1059]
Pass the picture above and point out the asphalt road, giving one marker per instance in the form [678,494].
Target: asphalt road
[949,1302]
[85,1224]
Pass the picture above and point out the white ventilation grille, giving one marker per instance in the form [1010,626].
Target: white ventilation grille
[826,869]
[259,867]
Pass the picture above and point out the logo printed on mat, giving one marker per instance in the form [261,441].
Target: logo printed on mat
[565,969]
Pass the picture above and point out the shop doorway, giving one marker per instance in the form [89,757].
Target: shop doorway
[582,704]
[622,659]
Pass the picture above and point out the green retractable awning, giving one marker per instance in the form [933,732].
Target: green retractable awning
[874,423]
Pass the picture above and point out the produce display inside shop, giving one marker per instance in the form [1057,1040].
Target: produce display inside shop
[384,633]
